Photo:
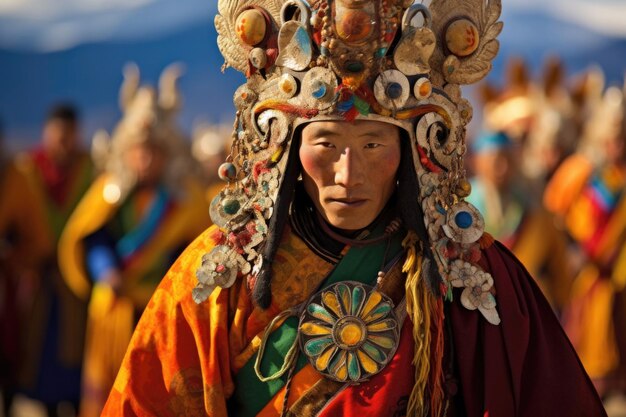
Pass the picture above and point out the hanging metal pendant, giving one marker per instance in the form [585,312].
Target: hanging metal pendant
[349,331]
[464,223]
[228,208]
[417,45]
[294,45]
[294,42]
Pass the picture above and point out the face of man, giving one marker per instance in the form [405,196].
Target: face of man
[60,138]
[146,161]
[349,169]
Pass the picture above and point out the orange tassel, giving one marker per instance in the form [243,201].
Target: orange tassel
[486,240]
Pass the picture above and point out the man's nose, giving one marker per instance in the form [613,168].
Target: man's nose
[349,169]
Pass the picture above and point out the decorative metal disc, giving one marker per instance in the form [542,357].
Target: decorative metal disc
[228,207]
[318,87]
[392,89]
[349,331]
[464,223]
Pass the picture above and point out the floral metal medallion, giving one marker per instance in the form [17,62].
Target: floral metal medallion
[349,331]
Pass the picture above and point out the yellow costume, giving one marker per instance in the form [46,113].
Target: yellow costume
[145,226]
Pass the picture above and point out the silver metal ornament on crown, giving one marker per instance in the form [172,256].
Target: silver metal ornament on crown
[417,44]
[294,41]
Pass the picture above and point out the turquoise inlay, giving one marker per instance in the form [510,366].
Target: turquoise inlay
[358,295]
[354,370]
[373,352]
[315,347]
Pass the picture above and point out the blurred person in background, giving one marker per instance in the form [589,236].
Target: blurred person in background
[588,193]
[517,220]
[139,213]
[9,316]
[39,192]
[537,115]
[210,147]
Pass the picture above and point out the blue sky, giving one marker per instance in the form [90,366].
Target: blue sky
[52,25]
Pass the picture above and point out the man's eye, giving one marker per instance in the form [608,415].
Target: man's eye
[372,145]
[326,145]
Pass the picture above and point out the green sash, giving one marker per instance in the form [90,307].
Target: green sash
[360,264]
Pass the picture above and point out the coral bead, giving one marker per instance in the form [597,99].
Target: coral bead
[251,27]
[462,37]
[227,172]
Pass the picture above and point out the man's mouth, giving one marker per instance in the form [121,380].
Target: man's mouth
[348,202]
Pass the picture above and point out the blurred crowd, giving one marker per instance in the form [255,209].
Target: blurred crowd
[85,237]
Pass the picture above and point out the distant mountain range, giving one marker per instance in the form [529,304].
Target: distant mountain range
[90,75]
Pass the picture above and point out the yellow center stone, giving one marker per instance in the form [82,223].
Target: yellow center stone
[351,334]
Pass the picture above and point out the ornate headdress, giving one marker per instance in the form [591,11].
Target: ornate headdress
[383,60]
[606,123]
[148,117]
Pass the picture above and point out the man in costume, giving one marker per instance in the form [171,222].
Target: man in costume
[39,192]
[588,193]
[322,288]
[515,219]
[133,222]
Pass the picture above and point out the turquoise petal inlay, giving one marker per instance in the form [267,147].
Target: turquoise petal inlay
[315,347]
[358,296]
[345,297]
[321,313]
[381,310]
[354,370]
[382,326]
[382,341]
[373,352]
[337,363]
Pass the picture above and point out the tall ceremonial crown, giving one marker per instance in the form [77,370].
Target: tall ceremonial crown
[383,60]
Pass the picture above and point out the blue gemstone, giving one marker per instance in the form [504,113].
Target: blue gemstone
[344,106]
[381,52]
[393,90]
[463,219]
[319,90]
